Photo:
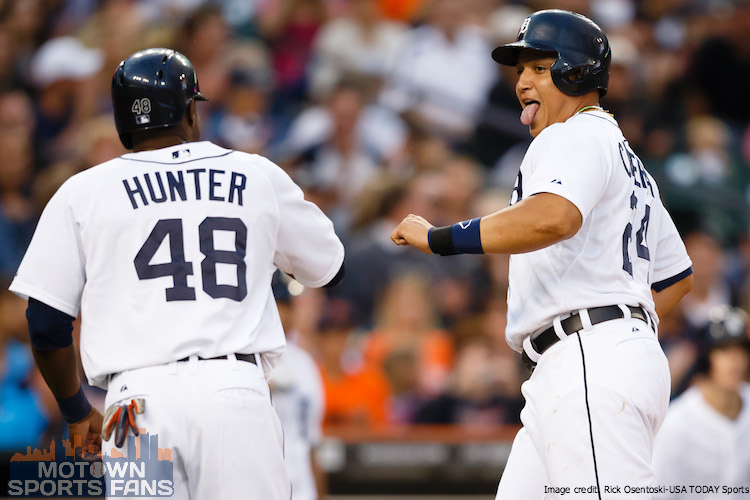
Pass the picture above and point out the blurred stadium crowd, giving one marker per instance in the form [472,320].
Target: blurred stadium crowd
[381,108]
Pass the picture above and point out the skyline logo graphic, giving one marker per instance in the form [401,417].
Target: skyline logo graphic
[61,472]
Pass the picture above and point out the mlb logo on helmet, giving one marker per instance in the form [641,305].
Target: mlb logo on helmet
[146,470]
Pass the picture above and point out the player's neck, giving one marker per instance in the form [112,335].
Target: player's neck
[580,104]
[588,103]
[726,401]
[152,144]
[151,140]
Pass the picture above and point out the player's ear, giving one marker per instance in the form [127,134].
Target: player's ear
[193,121]
[191,113]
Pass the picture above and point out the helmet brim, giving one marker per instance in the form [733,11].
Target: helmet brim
[507,54]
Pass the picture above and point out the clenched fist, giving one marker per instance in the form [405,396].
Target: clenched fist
[413,231]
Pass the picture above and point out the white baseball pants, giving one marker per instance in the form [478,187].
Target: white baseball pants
[593,405]
[216,417]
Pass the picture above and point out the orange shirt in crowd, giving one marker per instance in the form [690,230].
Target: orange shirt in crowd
[434,351]
[358,398]
[401,10]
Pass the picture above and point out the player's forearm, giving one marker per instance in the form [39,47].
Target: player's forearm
[59,367]
[531,224]
[666,299]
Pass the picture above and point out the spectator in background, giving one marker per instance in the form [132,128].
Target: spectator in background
[406,320]
[465,178]
[63,72]
[685,332]
[16,221]
[120,28]
[461,287]
[471,398]
[337,166]
[97,142]
[705,437]
[442,75]
[707,181]
[401,367]
[370,261]
[404,11]
[356,392]
[25,22]
[497,128]
[204,38]
[290,27]
[508,373]
[9,75]
[377,132]
[720,67]
[17,214]
[680,349]
[710,288]
[625,96]
[362,43]
[17,113]
[242,122]
[23,417]
[739,272]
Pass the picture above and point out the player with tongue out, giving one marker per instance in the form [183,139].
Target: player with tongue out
[596,260]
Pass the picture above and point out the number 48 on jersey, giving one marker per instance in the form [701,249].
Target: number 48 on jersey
[179,269]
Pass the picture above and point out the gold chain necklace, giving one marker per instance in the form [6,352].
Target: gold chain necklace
[594,108]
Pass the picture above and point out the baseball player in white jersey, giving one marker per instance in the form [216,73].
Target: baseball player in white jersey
[702,450]
[168,253]
[299,399]
[596,259]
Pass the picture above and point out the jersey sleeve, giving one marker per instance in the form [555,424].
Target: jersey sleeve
[672,262]
[307,246]
[570,167]
[53,268]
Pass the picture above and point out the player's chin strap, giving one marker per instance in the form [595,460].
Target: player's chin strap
[121,417]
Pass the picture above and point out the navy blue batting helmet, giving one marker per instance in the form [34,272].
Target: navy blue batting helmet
[151,89]
[727,326]
[583,54]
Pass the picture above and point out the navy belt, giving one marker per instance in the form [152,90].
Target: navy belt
[250,358]
[574,324]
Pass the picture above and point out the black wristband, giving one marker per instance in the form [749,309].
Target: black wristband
[440,240]
[75,408]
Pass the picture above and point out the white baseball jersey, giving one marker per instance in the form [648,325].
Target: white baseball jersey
[299,400]
[698,446]
[169,253]
[627,241]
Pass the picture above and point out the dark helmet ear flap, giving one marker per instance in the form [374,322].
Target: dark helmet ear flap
[126,140]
